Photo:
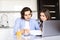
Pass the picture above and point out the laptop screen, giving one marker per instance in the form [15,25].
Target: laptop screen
[51,28]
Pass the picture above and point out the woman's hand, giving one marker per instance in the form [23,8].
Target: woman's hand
[22,31]
[26,31]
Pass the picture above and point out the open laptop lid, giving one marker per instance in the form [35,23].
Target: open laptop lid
[51,28]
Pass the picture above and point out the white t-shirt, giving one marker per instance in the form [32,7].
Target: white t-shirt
[27,26]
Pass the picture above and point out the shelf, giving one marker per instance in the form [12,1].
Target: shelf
[53,17]
[49,5]
[52,12]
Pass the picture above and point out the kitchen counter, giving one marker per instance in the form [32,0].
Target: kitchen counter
[7,34]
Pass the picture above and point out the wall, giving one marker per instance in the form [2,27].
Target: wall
[12,9]
[17,5]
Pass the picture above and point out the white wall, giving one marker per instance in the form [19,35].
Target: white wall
[12,7]
[17,5]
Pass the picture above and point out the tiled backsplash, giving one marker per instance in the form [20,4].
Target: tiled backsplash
[11,17]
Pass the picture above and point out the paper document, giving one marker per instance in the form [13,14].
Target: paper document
[35,32]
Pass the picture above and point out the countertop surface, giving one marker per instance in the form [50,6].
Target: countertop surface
[40,38]
[7,34]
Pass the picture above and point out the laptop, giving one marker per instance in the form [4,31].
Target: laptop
[51,28]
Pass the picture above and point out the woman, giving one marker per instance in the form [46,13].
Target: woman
[25,23]
[44,16]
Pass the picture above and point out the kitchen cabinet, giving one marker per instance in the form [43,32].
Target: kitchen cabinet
[52,5]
